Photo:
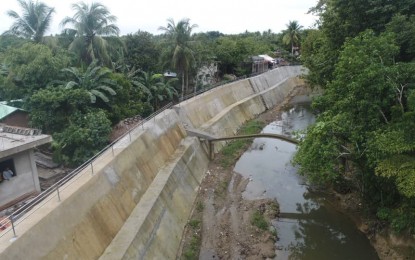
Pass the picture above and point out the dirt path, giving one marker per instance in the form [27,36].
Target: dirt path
[225,226]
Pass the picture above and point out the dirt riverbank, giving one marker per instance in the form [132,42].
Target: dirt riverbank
[225,226]
[388,245]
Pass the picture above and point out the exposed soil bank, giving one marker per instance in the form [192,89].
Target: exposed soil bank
[387,244]
[222,221]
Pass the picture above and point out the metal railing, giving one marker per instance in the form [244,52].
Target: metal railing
[205,89]
[9,224]
[13,220]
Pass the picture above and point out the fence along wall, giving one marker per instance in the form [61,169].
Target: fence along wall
[223,110]
[138,204]
[85,223]
[200,109]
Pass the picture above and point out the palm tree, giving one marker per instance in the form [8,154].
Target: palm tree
[292,34]
[34,21]
[90,23]
[157,89]
[179,52]
[140,80]
[165,91]
[96,80]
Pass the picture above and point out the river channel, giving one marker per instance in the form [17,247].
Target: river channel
[308,227]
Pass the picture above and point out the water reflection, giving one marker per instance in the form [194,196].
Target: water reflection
[308,227]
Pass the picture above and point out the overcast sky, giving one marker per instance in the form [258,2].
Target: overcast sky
[226,16]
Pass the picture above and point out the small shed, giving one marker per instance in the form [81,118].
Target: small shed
[13,116]
[169,74]
[17,146]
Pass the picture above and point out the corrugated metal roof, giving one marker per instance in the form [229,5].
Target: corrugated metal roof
[6,110]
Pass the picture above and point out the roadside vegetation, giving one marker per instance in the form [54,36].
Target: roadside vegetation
[361,56]
[79,84]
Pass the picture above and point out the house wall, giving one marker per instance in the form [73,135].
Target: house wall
[18,118]
[26,181]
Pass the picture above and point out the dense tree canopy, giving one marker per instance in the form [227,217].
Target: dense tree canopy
[95,80]
[87,76]
[361,57]
[30,68]
[142,51]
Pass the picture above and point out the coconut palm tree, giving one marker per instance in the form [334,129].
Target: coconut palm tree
[34,21]
[95,79]
[291,35]
[179,51]
[90,22]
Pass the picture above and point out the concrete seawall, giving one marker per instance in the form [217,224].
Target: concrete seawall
[137,202]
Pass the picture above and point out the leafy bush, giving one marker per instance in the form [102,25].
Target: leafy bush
[86,135]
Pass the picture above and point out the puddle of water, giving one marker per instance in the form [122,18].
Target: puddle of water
[308,227]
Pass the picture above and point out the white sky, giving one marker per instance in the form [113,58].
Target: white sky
[225,16]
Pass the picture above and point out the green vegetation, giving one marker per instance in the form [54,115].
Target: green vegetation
[89,23]
[192,252]
[34,21]
[292,35]
[192,248]
[362,57]
[258,220]
[222,187]
[194,223]
[199,206]
[179,53]
[90,77]
[233,149]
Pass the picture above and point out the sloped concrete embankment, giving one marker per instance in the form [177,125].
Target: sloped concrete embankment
[223,110]
[153,178]
[137,204]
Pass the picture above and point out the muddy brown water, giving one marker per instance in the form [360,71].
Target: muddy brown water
[308,226]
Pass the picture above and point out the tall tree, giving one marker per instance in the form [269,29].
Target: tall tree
[292,35]
[34,21]
[90,23]
[339,20]
[142,51]
[96,80]
[179,52]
